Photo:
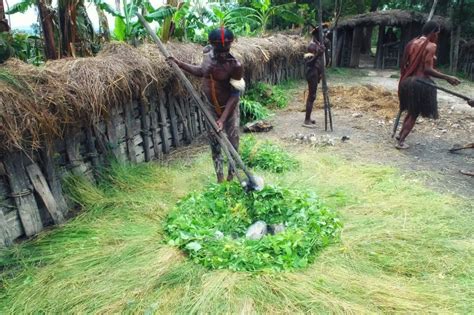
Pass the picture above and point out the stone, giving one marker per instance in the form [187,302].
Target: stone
[345,138]
[357,115]
[276,228]
[256,231]
[218,235]
[313,140]
[299,136]
[258,126]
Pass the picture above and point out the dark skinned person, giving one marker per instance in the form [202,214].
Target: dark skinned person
[314,63]
[418,64]
[222,83]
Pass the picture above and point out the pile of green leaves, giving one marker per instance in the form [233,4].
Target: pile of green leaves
[252,110]
[270,96]
[266,155]
[197,221]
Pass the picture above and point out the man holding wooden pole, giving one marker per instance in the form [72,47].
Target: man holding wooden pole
[314,64]
[222,82]
[416,93]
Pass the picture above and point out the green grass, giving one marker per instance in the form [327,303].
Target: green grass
[404,248]
[338,72]
[266,155]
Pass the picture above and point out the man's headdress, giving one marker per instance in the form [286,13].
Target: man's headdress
[220,36]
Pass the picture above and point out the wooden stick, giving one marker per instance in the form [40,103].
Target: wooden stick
[327,105]
[464,97]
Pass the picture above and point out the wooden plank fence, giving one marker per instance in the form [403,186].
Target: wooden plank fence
[139,131]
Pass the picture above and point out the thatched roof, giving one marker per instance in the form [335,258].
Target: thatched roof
[390,18]
[41,102]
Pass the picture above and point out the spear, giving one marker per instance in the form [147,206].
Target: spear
[327,105]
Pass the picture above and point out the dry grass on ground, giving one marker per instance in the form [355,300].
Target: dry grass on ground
[404,249]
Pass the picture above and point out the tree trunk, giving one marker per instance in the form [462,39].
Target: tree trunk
[46,20]
[4,27]
[67,26]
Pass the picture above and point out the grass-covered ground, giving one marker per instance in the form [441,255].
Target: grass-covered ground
[404,248]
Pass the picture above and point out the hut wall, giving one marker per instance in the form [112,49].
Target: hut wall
[466,60]
[140,130]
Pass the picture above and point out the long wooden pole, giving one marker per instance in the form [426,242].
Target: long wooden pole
[464,97]
[232,154]
[327,104]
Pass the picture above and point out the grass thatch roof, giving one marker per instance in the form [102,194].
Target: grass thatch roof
[391,18]
[41,102]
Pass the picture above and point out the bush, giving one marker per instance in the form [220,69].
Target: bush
[251,111]
[268,95]
[210,227]
[266,156]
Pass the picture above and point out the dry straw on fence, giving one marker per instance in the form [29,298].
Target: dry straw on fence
[37,103]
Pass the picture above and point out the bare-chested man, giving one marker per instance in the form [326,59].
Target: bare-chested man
[222,82]
[418,64]
[314,63]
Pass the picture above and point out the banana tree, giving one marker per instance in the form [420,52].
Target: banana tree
[4,27]
[46,17]
[164,15]
[261,11]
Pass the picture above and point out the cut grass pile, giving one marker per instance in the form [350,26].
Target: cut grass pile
[266,155]
[210,227]
[404,248]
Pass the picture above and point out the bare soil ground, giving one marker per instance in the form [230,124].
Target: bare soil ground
[369,130]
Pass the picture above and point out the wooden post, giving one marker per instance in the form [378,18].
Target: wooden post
[173,120]
[22,192]
[334,48]
[112,123]
[72,152]
[92,150]
[405,37]
[144,107]
[5,237]
[379,52]
[129,132]
[53,178]
[164,126]
[155,137]
[187,134]
[327,104]
[339,46]
[356,46]
[41,187]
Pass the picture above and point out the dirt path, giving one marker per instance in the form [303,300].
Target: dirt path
[370,140]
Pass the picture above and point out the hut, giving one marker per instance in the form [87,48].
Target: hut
[466,59]
[395,29]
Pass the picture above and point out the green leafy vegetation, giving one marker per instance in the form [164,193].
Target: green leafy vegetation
[271,96]
[262,97]
[407,245]
[228,209]
[266,155]
[251,110]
